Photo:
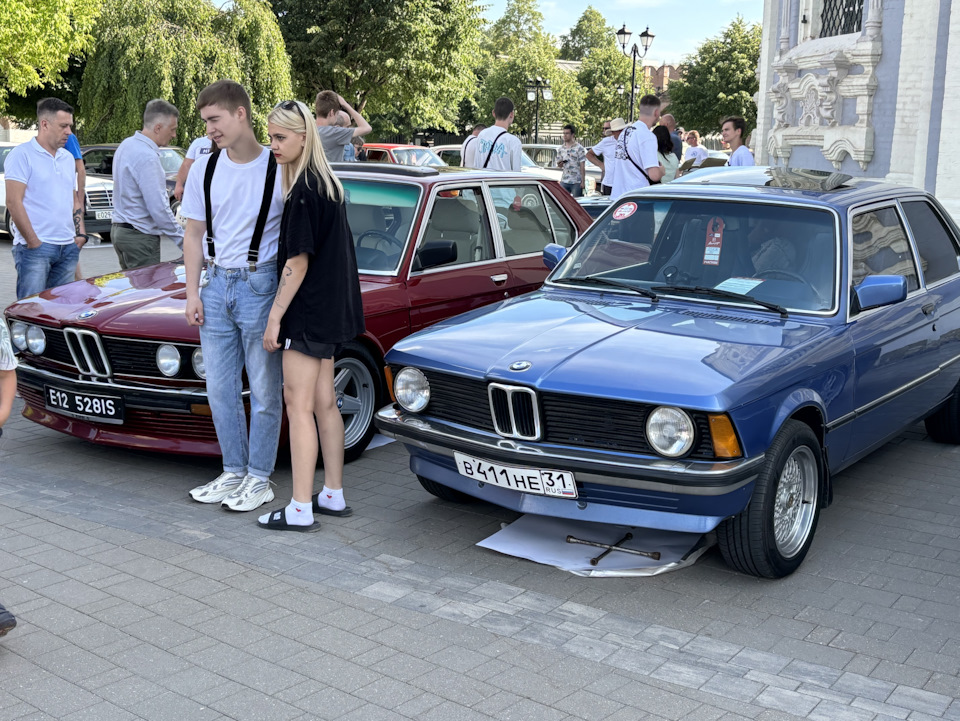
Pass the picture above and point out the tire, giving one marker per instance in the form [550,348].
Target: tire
[443,492]
[944,425]
[771,537]
[359,384]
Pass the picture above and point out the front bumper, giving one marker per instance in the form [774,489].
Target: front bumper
[645,491]
[155,419]
[93,225]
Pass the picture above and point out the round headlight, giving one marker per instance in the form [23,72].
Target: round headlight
[670,431]
[168,360]
[18,334]
[198,366]
[412,390]
[36,340]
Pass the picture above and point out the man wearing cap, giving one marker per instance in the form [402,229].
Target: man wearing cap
[607,148]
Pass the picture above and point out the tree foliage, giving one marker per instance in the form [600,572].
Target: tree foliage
[520,25]
[719,80]
[400,63]
[590,33]
[37,38]
[603,70]
[172,49]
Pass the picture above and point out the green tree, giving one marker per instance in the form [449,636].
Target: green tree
[172,49]
[400,63]
[590,33]
[37,38]
[719,80]
[520,24]
[603,71]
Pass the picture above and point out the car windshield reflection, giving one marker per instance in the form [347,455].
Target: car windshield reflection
[777,254]
[381,216]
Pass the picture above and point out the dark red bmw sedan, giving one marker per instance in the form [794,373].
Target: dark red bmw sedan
[112,360]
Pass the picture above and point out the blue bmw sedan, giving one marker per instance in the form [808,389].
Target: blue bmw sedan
[706,357]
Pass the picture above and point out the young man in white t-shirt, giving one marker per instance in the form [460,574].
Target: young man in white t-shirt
[232,306]
[495,148]
[732,130]
[200,146]
[638,164]
[469,145]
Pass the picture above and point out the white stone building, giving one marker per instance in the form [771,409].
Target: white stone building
[867,87]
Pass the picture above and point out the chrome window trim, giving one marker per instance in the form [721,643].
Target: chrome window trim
[913,238]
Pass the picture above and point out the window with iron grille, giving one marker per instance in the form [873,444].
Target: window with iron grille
[839,17]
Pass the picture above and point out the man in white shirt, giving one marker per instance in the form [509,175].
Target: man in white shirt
[200,146]
[234,301]
[732,130]
[695,151]
[470,145]
[497,149]
[638,164]
[47,214]
[141,210]
[607,147]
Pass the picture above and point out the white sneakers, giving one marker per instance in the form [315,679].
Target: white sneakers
[235,492]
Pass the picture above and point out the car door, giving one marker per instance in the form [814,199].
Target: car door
[476,277]
[895,346]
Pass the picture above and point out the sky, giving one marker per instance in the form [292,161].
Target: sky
[678,26]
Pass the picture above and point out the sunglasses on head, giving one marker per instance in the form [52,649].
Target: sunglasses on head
[291,105]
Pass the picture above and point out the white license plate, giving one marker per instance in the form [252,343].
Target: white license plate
[541,481]
[104,214]
[87,407]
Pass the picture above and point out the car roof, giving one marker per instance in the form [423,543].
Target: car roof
[428,174]
[391,146]
[837,190]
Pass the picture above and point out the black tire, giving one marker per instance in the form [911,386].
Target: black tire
[754,542]
[444,492]
[360,387]
[944,425]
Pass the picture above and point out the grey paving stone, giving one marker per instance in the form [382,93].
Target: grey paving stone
[830,711]
[919,700]
[864,686]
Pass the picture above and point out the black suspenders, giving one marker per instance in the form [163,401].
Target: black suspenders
[254,250]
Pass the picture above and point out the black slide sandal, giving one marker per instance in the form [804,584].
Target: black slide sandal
[317,508]
[278,522]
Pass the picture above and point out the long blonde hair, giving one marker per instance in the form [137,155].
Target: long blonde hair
[312,158]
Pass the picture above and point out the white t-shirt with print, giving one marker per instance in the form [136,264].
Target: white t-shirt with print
[235,197]
[697,153]
[504,153]
[741,157]
[200,146]
[51,182]
[639,142]
[608,149]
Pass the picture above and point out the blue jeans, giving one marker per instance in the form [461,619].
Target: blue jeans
[575,189]
[236,304]
[45,267]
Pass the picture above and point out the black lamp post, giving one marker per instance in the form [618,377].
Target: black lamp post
[646,40]
[535,88]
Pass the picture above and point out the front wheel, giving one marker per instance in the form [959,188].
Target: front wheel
[771,537]
[359,393]
[944,425]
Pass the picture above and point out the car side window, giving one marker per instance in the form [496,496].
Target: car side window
[880,247]
[99,161]
[460,216]
[377,156]
[524,223]
[563,229]
[935,243]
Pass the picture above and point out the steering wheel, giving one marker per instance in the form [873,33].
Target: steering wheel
[394,245]
[771,273]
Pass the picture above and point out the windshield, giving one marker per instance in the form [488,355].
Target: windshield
[526,162]
[171,159]
[381,215]
[4,152]
[785,255]
[417,156]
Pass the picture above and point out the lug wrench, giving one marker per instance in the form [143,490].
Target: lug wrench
[655,555]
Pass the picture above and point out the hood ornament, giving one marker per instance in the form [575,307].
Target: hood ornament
[520,365]
[86,314]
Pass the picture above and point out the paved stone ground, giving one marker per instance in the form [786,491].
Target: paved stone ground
[136,603]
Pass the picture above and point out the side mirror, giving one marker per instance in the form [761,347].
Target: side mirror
[435,253]
[553,254]
[879,290]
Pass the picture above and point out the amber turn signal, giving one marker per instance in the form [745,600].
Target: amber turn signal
[725,443]
[199,409]
[388,374]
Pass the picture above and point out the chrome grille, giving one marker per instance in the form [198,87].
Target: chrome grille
[515,411]
[87,352]
[100,199]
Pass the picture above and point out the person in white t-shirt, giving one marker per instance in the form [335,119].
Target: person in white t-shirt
[695,151]
[469,146]
[607,148]
[638,164]
[232,304]
[200,146]
[497,149]
[732,130]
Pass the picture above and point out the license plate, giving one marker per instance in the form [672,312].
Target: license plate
[104,214]
[541,481]
[85,406]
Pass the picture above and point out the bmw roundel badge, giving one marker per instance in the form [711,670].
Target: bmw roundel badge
[86,314]
[520,365]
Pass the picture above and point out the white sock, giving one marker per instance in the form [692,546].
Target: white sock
[332,499]
[296,514]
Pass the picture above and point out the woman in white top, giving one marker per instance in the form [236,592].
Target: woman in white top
[665,150]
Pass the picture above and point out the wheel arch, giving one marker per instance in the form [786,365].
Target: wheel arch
[808,409]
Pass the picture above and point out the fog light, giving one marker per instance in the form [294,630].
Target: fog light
[36,340]
[168,360]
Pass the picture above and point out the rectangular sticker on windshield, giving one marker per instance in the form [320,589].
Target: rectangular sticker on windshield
[739,285]
[711,251]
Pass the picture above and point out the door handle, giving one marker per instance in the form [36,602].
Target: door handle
[498,279]
[928,308]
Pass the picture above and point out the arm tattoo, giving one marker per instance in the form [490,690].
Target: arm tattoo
[77,217]
[287,272]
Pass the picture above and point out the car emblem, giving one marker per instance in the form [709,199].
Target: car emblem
[86,314]
[520,365]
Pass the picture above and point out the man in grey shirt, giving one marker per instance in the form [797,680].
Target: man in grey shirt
[141,208]
[333,136]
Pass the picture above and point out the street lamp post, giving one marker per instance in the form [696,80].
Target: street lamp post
[535,88]
[646,40]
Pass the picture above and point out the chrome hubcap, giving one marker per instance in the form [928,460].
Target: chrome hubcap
[356,397]
[796,501]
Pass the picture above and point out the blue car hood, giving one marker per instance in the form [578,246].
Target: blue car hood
[678,353]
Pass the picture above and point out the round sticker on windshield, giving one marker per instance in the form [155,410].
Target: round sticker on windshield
[625,211]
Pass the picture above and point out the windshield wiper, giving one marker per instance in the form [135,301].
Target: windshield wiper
[599,280]
[720,293]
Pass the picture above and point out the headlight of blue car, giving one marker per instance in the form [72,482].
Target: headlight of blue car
[670,431]
[412,390]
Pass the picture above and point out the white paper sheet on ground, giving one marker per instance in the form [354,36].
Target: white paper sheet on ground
[379,440]
[543,539]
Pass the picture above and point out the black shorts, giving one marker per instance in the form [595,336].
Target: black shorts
[314,349]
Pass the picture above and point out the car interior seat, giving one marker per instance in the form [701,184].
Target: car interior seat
[525,233]
[459,220]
